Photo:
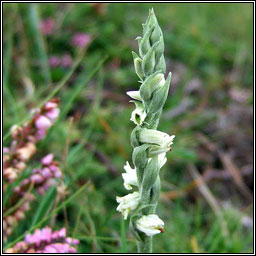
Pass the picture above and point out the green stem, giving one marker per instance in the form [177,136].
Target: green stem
[145,246]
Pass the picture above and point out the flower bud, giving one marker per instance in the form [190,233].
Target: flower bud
[150,174]
[47,159]
[139,158]
[42,122]
[151,136]
[134,95]
[135,136]
[144,43]
[27,151]
[138,65]
[150,85]
[150,224]
[149,61]
[160,65]
[159,97]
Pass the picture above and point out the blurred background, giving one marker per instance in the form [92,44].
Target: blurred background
[83,51]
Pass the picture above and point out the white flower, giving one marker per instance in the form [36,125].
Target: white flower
[128,203]
[134,95]
[130,177]
[161,160]
[150,224]
[138,114]
[161,141]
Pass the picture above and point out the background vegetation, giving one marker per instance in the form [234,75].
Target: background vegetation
[207,184]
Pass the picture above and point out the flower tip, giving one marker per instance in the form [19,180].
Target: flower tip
[161,229]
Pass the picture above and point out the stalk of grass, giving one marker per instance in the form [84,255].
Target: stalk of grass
[34,26]
[44,206]
[123,236]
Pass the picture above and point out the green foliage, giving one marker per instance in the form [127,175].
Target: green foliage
[210,43]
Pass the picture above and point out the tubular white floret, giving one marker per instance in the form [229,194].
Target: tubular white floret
[150,225]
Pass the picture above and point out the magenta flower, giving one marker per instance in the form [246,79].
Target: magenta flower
[81,40]
[47,159]
[66,61]
[47,26]
[54,61]
[45,241]
[42,122]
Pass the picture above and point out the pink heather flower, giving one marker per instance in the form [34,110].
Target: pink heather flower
[47,159]
[47,26]
[5,150]
[46,172]
[75,241]
[57,174]
[50,105]
[40,134]
[53,114]
[50,249]
[46,234]
[42,122]
[81,40]
[62,232]
[66,61]
[37,178]
[54,61]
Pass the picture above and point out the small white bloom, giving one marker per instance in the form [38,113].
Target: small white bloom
[130,177]
[161,140]
[162,160]
[138,114]
[150,224]
[134,95]
[128,203]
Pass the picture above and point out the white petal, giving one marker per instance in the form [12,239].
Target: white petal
[138,115]
[134,95]
[130,177]
[162,160]
[150,224]
[128,203]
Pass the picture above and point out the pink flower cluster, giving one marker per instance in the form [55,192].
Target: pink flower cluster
[25,137]
[65,61]
[81,40]
[47,26]
[12,220]
[45,241]
[41,178]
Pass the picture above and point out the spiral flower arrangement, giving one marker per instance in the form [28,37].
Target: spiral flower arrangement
[149,145]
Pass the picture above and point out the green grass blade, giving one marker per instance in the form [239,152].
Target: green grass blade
[123,236]
[34,26]
[44,206]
